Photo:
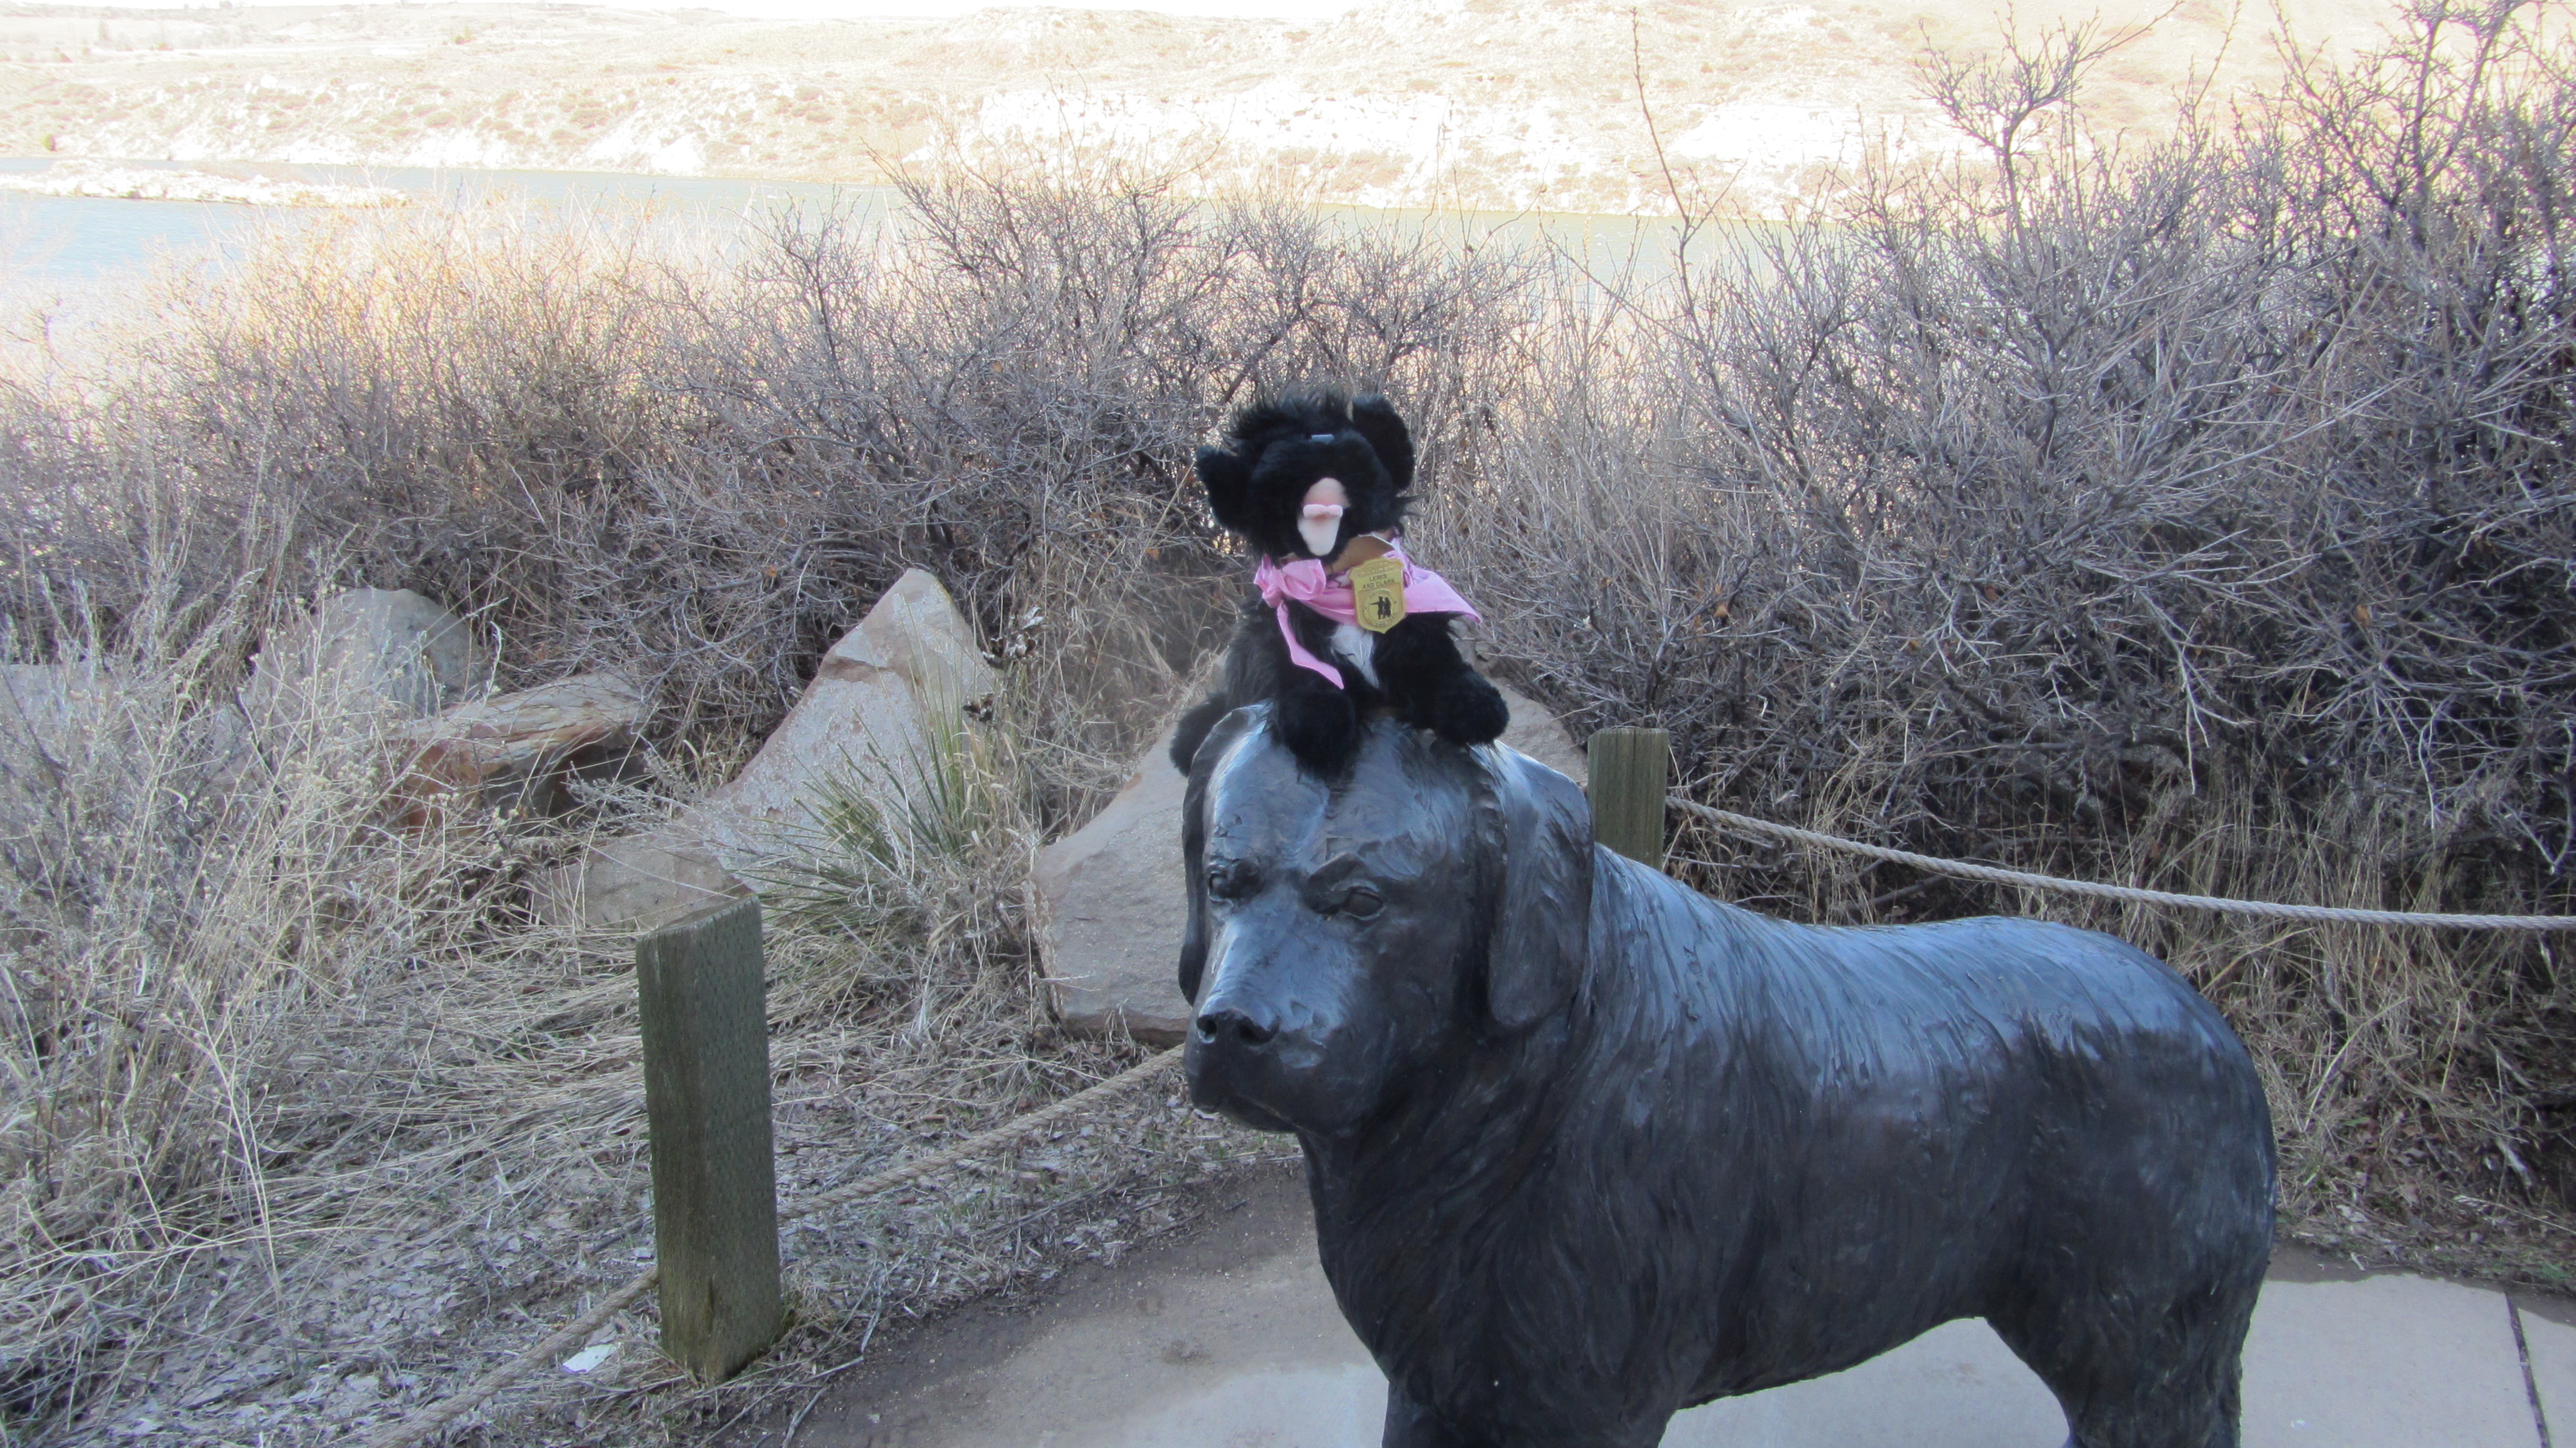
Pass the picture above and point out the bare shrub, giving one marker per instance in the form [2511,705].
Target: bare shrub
[1014,405]
[2193,512]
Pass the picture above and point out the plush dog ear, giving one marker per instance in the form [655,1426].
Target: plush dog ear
[1374,418]
[1194,935]
[1228,479]
[1540,869]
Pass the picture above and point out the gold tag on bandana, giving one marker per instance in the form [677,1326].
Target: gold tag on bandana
[1377,591]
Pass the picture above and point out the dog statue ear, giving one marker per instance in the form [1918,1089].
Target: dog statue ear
[1375,419]
[1541,928]
[1229,487]
[1194,938]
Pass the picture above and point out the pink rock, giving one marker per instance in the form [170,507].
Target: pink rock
[517,751]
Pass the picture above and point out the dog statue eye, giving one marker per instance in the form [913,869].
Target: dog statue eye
[1361,903]
[1232,879]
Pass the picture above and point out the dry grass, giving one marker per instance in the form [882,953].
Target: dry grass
[2193,515]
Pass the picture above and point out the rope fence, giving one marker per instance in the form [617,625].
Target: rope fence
[984,1141]
[1996,875]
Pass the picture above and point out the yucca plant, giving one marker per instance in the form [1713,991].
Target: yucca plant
[902,857]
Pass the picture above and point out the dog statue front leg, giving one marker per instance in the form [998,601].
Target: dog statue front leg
[1411,1425]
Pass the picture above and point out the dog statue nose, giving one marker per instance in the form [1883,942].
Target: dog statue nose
[1223,1021]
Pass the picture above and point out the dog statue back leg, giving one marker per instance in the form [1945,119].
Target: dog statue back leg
[2164,1376]
[2134,1306]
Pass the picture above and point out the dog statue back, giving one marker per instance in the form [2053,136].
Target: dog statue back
[1587,1148]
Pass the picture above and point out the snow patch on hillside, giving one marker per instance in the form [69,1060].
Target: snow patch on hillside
[1416,148]
[1412,147]
[1769,137]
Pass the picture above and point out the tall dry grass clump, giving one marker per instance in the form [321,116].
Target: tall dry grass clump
[2191,513]
[210,933]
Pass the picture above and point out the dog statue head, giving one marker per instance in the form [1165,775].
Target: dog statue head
[1346,934]
[1302,475]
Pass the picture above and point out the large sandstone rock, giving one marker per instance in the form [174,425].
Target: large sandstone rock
[75,728]
[364,658]
[1112,903]
[44,708]
[880,703]
[52,717]
[1111,910]
[518,751]
[1536,733]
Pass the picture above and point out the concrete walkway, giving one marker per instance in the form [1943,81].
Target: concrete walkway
[1230,1339]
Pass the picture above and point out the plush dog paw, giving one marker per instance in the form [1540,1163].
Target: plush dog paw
[1466,710]
[1193,729]
[1319,726]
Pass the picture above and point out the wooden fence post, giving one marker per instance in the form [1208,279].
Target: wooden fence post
[706,1097]
[1628,768]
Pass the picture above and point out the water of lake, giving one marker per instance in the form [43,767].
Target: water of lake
[77,245]
[72,242]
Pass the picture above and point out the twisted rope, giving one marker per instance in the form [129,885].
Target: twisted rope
[2323,914]
[984,1141]
[419,1426]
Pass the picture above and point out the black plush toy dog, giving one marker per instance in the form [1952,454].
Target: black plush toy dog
[1345,624]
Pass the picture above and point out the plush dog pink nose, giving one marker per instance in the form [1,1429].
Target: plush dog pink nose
[1324,504]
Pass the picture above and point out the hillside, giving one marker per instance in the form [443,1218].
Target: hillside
[1483,104]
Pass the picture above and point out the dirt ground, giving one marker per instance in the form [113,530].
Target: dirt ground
[939,1372]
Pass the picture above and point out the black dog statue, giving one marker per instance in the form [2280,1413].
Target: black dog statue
[1587,1148]
[1345,623]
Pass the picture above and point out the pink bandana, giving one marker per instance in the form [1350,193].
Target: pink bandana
[1306,582]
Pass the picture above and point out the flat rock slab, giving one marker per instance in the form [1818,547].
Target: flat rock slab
[1113,903]
[1231,1336]
[638,883]
[518,751]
